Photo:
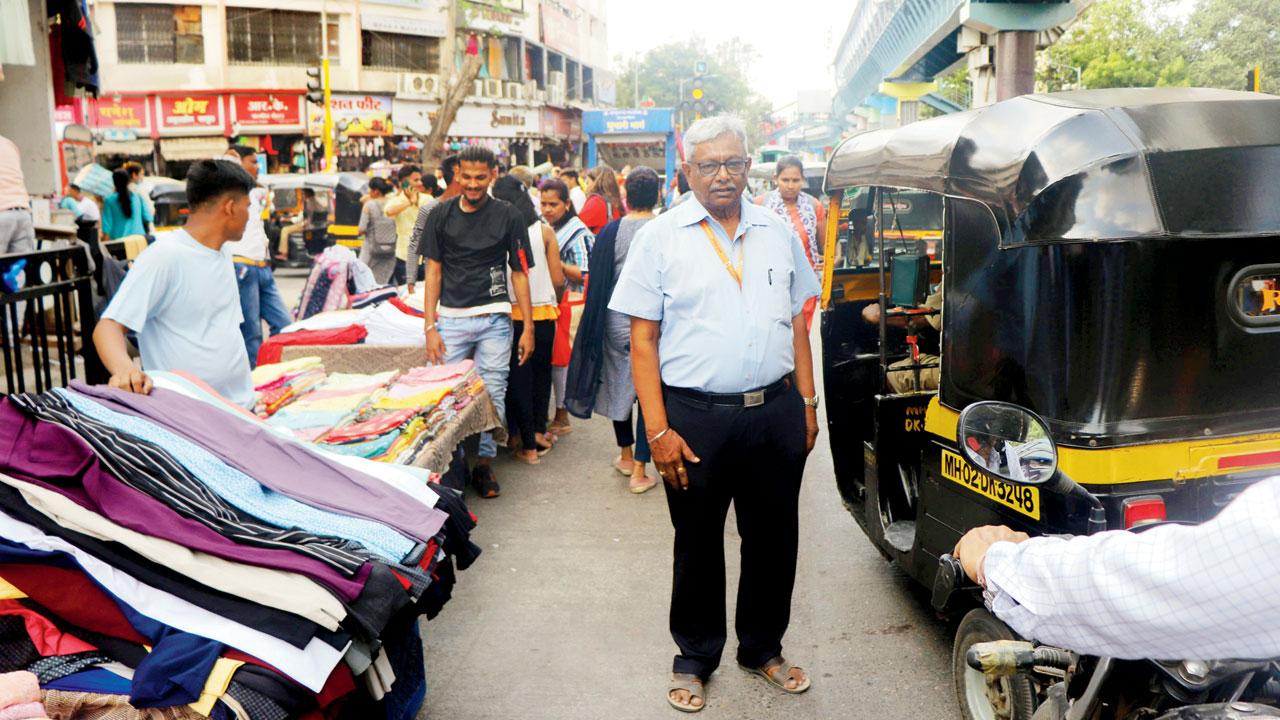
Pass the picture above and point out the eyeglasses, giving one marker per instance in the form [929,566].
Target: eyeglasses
[735,166]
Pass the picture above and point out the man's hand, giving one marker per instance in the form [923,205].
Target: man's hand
[134,381]
[810,428]
[670,453]
[435,347]
[871,314]
[409,285]
[972,548]
[525,348]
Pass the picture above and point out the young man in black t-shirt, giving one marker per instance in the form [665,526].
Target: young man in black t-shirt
[471,242]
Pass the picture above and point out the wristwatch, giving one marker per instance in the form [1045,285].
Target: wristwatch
[811,402]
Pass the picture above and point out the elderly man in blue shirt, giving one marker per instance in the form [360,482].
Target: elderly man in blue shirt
[723,370]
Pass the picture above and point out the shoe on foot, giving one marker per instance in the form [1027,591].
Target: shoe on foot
[484,483]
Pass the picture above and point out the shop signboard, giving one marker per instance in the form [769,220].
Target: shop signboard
[500,17]
[627,122]
[472,121]
[561,124]
[266,113]
[560,26]
[401,25]
[367,115]
[190,115]
[115,112]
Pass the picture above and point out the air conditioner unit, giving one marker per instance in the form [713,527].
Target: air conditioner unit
[531,89]
[515,91]
[477,88]
[493,88]
[555,96]
[540,96]
[419,86]
[556,79]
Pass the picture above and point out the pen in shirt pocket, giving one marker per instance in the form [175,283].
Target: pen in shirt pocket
[770,276]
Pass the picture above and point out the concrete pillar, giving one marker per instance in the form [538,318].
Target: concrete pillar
[1015,63]
[26,109]
[908,111]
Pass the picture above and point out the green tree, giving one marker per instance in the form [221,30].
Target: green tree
[1118,43]
[658,74]
[1229,37]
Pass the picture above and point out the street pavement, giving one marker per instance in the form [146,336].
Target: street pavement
[564,616]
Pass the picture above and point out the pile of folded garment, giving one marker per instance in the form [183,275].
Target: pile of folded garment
[330,403]
[275,386]
[398,421]
[384,319]
[172,552]
[23,635]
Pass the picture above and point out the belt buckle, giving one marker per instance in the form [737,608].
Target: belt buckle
[753,399]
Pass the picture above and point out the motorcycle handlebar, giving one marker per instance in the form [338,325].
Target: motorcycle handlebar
[1002,658]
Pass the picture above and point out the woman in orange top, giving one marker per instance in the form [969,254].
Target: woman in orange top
[803,211]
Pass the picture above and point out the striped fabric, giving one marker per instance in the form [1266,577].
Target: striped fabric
[151,470]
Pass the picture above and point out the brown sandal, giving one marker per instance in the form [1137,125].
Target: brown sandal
[691,684]
[778,671]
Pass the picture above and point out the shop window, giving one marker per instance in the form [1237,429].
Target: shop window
[392,51]
[277,37]
[574,86]
[159,34]
[588,84]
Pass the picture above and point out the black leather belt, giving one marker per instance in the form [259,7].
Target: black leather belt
[751,398]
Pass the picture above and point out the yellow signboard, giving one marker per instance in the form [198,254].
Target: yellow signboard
[1023,499]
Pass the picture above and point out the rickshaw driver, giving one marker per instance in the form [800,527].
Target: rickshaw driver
[1176,591]
[901,377]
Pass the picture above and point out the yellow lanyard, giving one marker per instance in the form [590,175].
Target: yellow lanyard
[735,273]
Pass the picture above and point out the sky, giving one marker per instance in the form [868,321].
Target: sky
[796,40]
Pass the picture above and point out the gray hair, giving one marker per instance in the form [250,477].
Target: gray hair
[708,129]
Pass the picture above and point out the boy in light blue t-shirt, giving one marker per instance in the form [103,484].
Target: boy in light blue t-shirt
[181,296]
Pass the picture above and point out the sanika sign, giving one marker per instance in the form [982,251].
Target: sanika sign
[272,111]
[190,114]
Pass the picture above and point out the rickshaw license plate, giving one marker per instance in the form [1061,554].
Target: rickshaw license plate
[1021,498]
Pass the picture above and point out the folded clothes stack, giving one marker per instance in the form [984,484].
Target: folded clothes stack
[278,385]
[409,413]
[171,556]
[20,697]
[330,403]
[384,319]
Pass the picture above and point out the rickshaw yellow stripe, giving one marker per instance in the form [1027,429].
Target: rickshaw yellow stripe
[829,251]
[1173,460]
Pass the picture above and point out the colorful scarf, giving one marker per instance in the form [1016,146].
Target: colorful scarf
[807,206]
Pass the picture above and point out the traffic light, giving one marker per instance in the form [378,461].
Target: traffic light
[697,92]
[700,67]
[1253,79]
[315,85]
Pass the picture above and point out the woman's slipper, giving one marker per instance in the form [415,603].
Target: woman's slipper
[644,487]
[778,671]
[691,684]
[519,456]
[623,468]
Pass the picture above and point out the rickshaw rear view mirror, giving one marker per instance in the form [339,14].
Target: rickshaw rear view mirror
[1007,442]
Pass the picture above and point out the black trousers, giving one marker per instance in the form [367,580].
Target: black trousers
[753,458]
[529,386]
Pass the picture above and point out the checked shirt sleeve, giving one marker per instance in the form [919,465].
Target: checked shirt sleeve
[1174,592]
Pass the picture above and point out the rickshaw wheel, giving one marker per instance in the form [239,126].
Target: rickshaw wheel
[1012,698]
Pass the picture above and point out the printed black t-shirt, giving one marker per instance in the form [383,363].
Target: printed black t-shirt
[475,249]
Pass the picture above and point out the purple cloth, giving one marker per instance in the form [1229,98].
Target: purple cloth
[282,465]
[54,457]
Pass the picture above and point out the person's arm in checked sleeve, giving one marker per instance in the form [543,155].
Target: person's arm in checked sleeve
[1175,592]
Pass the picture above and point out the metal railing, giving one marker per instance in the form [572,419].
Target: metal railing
[47,324]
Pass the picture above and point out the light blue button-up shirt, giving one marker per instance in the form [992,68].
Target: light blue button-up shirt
[717,337]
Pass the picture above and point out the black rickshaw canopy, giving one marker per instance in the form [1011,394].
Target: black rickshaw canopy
[1091,165]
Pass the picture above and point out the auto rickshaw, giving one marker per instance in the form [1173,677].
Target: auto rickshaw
[344,191]
[339,193]
[1110,261]
[170,199]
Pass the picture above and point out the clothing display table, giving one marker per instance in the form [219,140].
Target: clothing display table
[479,416]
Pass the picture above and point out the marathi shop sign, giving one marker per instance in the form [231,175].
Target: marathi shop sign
[269,110]
[366,115]
[120,113]
[190,114]
[622,122]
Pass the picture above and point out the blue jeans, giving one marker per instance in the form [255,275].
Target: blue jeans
[487,341]
[259,300]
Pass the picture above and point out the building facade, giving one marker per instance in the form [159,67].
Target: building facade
[181,77]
